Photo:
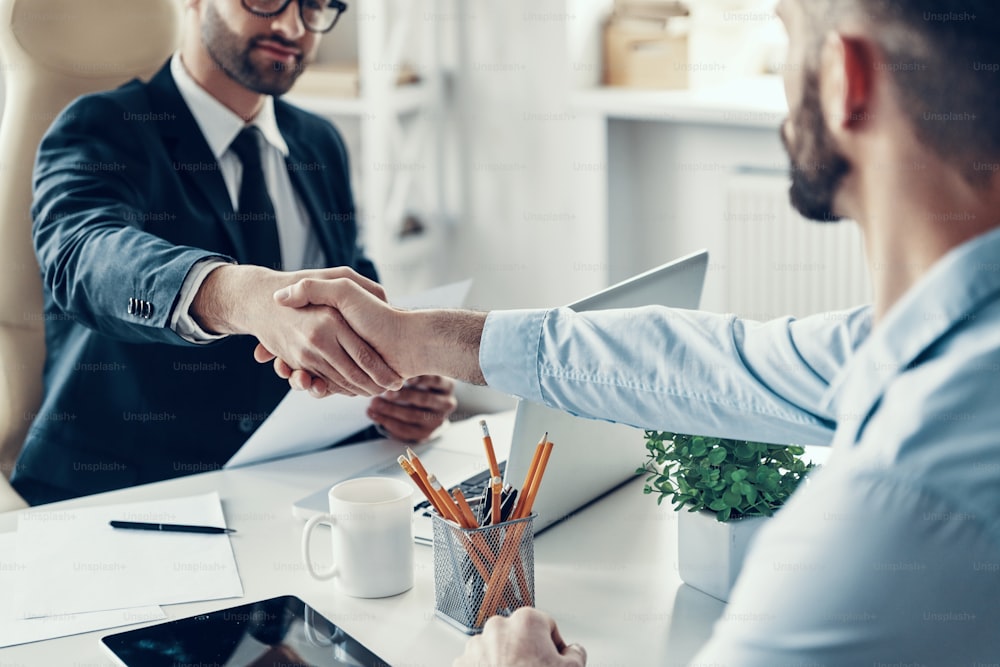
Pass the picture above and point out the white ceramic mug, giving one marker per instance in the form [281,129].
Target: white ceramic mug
[371,522]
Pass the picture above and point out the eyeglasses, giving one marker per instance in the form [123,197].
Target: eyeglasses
[317,15]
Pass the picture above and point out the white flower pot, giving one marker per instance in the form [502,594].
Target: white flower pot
[710,553]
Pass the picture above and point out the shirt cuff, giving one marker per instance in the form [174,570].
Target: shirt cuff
[510,351]
[181,321]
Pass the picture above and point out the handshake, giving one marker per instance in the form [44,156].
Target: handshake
[353,345]
[331,331]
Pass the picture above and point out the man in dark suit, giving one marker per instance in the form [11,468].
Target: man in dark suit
[166,215]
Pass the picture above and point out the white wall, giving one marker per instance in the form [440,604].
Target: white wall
[521,238]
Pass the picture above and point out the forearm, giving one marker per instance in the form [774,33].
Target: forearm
[676,370]
[443,342]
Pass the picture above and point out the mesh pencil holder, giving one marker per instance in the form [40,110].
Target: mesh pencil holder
[482,572]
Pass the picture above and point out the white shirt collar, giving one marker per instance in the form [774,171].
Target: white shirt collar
[218,123]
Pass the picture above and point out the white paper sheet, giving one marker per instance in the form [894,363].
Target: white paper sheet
[302,423]
[15,630]
[76,562]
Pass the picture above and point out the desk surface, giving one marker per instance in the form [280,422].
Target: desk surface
[608,574]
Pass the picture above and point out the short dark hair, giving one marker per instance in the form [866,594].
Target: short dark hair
[944,57]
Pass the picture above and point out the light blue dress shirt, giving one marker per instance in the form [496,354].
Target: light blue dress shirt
[889,555]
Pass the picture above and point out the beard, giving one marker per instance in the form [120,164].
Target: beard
[818,168]
[234,57]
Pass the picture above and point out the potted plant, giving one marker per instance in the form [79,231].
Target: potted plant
[729,487]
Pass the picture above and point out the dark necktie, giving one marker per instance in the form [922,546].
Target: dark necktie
[255,210]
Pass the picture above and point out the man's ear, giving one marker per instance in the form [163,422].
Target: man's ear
[846,79]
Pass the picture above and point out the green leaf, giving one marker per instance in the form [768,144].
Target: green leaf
[717,455]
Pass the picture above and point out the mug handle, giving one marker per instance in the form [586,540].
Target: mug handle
[322,575]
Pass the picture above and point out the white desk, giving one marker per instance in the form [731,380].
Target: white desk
[608,574]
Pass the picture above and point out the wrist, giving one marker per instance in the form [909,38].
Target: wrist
[443,342]
[233,297]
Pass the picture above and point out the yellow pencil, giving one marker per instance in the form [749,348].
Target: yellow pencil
[491,454]
[524,508]
[450,511]
[521,498]
[496,486]
[464,508]
[421,484]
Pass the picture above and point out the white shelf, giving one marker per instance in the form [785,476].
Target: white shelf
[753,102]
[405,99]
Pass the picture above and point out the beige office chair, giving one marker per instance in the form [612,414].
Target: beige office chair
[52,52]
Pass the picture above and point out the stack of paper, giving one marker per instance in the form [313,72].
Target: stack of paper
[68,571]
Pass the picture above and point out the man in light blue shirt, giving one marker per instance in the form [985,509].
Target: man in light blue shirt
[890,555]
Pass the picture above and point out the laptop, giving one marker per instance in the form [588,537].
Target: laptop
[589,458]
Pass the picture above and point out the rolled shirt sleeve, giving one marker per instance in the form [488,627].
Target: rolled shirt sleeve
[679,370]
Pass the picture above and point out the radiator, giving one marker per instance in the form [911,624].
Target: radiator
[781,264]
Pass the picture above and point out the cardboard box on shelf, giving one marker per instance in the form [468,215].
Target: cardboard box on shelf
[646,45]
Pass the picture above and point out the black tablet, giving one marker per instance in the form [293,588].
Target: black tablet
[281,631]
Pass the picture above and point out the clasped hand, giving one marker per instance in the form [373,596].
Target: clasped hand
[349,348]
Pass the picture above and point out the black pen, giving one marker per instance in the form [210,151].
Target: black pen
[508,504]
[170,527]
[482,510]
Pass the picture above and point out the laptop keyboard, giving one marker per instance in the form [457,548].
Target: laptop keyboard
[472,488]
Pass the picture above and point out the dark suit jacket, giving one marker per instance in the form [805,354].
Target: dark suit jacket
[128,197]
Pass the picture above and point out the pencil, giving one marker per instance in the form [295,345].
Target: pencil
[447,504]
[463,506]
[421,471]
[496,485]
[531,473]
[491,455]
[525,508]
[531,470]
[424,489]
[415,462]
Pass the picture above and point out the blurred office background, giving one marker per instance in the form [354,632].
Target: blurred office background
[547,148]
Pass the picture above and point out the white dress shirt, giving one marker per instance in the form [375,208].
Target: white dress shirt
[888,556]
[300,248]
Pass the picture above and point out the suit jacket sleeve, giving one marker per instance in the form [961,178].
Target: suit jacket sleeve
[91,177]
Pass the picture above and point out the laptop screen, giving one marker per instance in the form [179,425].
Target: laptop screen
[590,458]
